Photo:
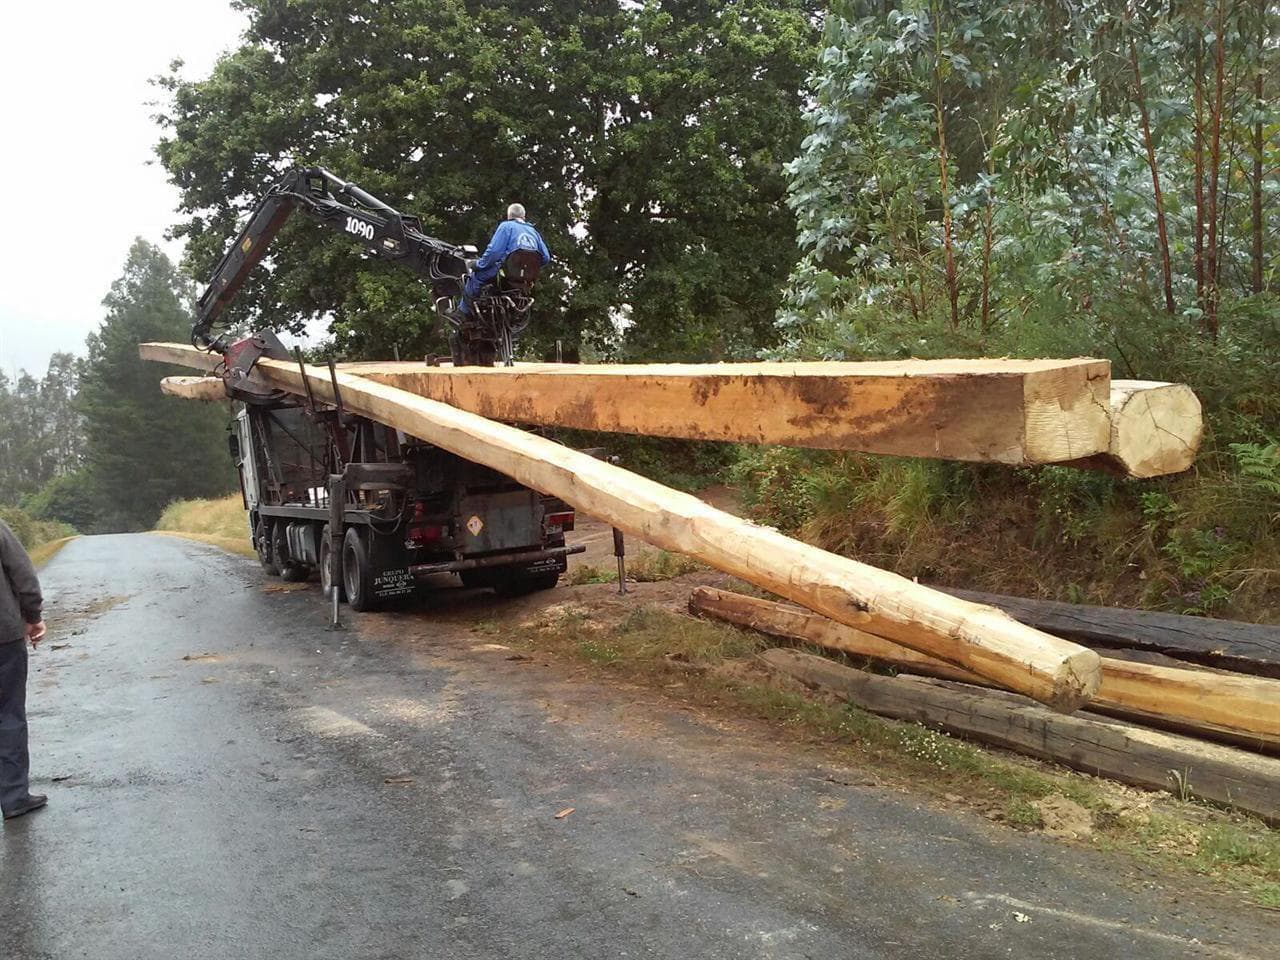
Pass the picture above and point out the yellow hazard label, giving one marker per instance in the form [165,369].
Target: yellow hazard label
[245,244]
[475,525]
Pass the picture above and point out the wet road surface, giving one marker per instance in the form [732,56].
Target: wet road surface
[288,792]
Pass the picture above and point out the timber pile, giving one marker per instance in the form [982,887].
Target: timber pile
[1241,647]
[1121,751]
[1240,710]
[981,639]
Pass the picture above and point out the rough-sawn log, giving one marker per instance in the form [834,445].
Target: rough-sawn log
[1243,710]
[981,639]
[1110,748]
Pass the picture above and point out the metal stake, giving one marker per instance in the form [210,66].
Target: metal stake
[620,551]
[337,514]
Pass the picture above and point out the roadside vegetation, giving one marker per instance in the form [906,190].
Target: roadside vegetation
[221,522]
[710,666]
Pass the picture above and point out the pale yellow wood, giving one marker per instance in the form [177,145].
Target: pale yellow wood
[1246,708]
[208,389]
[978,638]
[1001,411]
[1133,754]
[1155,427]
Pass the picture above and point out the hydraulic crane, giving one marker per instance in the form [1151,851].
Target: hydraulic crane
[500,312]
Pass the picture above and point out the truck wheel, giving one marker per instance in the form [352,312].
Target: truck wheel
[262,543]
[289,571]
[326,578]
[357,572]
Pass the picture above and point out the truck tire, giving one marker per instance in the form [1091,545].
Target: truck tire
[326,581]
[357,571]
[290,571]
[262,543]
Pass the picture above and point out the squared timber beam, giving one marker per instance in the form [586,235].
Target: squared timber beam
[987,411]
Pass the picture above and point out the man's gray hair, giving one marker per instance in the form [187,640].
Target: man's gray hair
[515,211]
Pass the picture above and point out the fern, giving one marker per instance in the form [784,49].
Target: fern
[1259,465]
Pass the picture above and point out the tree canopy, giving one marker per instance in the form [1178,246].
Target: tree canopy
[142,449]
[1042,177]
[646,139]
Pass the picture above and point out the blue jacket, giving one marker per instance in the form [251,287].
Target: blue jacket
[510,236]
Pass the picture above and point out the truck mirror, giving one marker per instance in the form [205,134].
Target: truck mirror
[233,445]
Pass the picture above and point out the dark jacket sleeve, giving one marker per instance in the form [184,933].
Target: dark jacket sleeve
[20,574]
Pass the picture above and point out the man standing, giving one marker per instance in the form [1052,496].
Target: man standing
[20,621]
[514,233]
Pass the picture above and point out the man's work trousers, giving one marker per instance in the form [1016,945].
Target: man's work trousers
[15,763]
[471,289]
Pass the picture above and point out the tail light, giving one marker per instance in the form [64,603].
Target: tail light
[419,511]
[422,533]
[559,522]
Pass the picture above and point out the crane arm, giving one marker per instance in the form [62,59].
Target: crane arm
[384,232]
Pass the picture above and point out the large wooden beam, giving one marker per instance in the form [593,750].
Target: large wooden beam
[1243,647]
[1001,411]
[981,639]
[1147,758]
[1242,710]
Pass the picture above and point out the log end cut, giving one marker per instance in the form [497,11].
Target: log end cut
[1155,427]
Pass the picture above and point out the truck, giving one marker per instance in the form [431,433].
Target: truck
[378,513]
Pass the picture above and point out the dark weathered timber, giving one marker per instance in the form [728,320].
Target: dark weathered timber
[1109,748]
[1229,644]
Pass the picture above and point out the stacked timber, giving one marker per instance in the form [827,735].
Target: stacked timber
[1252,648]
[1240,710]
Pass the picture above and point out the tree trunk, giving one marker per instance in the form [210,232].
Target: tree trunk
[1162,232]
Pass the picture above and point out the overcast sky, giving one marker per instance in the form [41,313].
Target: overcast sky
[77,138]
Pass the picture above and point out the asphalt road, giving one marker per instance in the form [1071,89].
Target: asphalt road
[391,792]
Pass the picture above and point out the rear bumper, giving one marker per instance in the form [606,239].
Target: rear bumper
[500,560]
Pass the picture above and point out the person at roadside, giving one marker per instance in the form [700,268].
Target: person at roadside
[21,622]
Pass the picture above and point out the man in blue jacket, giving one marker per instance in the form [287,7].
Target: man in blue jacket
[514,233]
[20,622]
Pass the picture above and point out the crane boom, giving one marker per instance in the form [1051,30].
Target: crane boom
[384,232]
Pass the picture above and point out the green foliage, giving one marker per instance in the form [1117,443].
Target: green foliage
[31,532]
[64,499]
[143,449]
[983,169]
[41,434]
[646,139]
[1259,466]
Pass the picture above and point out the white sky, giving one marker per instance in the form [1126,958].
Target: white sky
[76,139]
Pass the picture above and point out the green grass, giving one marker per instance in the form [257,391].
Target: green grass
[222,523]
[224,517]
[647,566]
[46,551]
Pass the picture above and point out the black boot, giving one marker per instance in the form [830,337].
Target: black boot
[34,801]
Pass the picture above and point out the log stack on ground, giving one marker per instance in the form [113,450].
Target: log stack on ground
[1241,647]
[1241,710]
[1121,751]
[981,639]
